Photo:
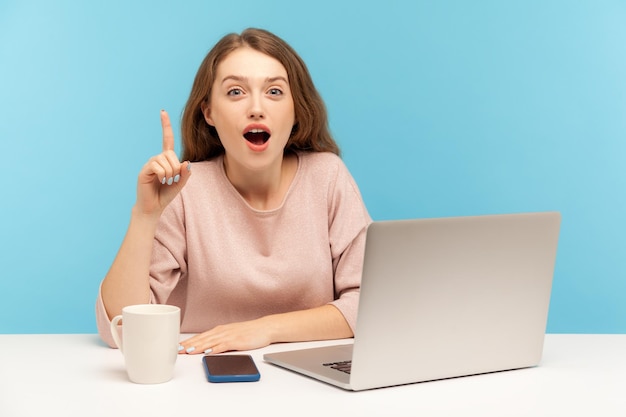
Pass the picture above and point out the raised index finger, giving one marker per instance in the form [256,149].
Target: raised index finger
[168,133]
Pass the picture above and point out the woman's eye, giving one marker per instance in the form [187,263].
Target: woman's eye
[275,91]
[234,92]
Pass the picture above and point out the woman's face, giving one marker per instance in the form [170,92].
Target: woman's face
[251,108]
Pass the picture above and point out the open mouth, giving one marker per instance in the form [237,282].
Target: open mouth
[257,136]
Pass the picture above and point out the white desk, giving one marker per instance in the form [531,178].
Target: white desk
[76,375]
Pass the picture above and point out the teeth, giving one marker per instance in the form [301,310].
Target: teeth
[256,131]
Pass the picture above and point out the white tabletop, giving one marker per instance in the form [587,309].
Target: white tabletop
[76,375]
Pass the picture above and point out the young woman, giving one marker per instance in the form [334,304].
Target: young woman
[264,242]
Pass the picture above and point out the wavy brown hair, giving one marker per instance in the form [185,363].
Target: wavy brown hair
[310,131]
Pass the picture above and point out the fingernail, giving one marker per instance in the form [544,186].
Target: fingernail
[189,166]
[190,349]
[177,178]
[163,180]
[170,181]
[180,347]
[209,350]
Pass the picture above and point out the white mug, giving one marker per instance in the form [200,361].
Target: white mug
[149,342]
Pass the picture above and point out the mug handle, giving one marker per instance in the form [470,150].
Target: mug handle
[115,333]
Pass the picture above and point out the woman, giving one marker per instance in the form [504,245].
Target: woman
[264,242]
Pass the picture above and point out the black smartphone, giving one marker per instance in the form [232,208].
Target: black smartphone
[230,368]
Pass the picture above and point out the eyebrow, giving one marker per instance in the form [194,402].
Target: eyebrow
[240,78]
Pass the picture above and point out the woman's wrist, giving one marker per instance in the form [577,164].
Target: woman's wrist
[271,328]
[143,218]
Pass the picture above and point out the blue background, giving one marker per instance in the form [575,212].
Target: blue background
[442,108]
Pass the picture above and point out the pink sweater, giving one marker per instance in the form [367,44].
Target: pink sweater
[222,261]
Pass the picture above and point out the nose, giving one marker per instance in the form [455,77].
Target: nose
[256,110]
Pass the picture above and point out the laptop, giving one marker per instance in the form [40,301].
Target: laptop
[443,298]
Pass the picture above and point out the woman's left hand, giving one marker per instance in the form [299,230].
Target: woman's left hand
[245,335]
[319,323]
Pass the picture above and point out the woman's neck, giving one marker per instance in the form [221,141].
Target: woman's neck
[263,189]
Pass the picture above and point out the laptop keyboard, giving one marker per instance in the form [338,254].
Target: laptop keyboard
[343,366]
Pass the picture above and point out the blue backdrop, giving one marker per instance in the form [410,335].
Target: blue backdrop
[442,108]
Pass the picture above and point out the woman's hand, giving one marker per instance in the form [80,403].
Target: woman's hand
[163,176]
[319,323]
[127,281]
[245,335]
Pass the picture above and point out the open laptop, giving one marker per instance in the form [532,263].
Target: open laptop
[443,298]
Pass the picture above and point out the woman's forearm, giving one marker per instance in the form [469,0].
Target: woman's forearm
[127,281]
[321,323]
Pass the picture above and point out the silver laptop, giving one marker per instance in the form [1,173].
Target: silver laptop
[443,298]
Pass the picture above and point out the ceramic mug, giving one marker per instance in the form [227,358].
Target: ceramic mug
[149,341]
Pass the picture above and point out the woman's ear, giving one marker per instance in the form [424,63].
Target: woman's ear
[206,112]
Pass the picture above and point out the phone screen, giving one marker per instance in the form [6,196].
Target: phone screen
[230,368]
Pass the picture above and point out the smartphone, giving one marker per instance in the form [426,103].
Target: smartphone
[230,368]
